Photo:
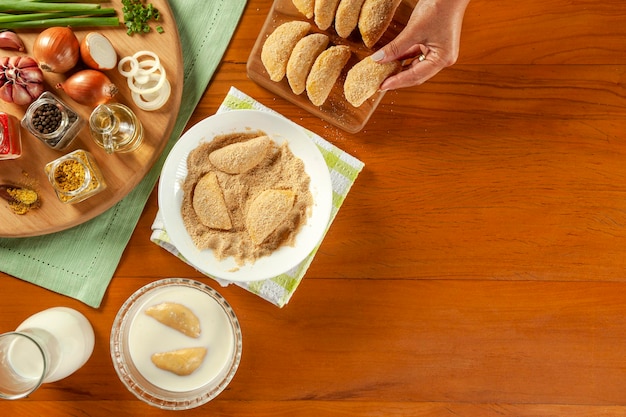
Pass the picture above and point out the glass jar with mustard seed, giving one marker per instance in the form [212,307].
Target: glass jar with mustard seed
[75,176]
[52,121]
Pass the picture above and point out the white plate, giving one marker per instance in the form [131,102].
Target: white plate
[280,130]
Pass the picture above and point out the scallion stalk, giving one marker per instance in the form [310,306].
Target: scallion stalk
[80,21]
[38,6]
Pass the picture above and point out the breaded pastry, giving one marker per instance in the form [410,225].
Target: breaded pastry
[347,17]
[209,204]
[267,211]
[278,46]
[364,79]
[325,13]
[176,316]
[306,7]
[241,157]
[182,362]
[325,72]
[302,59]
[375,17]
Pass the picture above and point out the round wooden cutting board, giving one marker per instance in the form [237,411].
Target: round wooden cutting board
[121,172]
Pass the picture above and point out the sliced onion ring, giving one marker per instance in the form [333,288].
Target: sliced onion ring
[134,66]
[153,101]
[147,90]
[156,62]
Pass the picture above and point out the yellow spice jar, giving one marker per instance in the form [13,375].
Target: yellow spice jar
[75,176]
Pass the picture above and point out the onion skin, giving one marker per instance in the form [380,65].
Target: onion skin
[57,49]
[21,80]
[89,87]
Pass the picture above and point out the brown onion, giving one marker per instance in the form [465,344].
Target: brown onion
[97,52]
[89,87]
[57,49]
[21,80]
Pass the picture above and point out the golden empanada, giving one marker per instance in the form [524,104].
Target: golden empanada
[267,211]
[306,7]
[176,316]
[364,79]
[325,72]
[325,13]
[302,59]
[375,17]
[182,362]
[209,204]
[241,157]
[278,46]
[347,17]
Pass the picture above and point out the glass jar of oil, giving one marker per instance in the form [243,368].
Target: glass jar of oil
[115,128]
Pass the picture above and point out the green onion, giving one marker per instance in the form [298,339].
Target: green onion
[33,14]
[79,21]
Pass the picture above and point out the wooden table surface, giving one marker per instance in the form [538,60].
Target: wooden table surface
[477,267]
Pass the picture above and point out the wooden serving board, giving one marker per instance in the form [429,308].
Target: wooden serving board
[336,109]
[121,172]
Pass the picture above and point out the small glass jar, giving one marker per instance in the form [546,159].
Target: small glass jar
[10,137]
[75,176]
[52,121]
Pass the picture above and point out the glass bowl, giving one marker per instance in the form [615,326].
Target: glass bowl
[135,336]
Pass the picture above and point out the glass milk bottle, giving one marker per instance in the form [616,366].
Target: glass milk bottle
[46,347]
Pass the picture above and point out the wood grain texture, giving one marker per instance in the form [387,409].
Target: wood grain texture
[476,267]
[121,172]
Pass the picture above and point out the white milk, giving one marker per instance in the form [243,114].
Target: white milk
[148,336]
[68,336]
[26,358]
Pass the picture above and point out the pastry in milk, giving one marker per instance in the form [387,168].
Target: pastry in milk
[375,17]
[302,59]
[347,17]
[325,72]
[209,204]
[278,46]
[176,316]
[241,157]
[267,211]
[182,362]
[364,79]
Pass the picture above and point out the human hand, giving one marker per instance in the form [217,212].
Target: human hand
[431,38]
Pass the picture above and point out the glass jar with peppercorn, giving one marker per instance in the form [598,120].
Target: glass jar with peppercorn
[10,137]
[75,176]
[52,121]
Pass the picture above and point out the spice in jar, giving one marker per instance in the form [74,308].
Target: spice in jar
[75,176]
[10,137]
[52,121]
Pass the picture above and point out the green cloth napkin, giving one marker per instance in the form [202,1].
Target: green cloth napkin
[344,170]
[80,262]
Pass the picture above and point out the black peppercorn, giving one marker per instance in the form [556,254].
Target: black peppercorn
[47,118]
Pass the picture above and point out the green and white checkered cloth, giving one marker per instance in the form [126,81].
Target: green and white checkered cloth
[344,170]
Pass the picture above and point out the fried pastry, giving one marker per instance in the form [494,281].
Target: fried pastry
[306,7]
[375,17]
[347,17]
[209,204]
[182,362]
[302,59]
[176,316]
[364,79]
[325,13]
[241,157]
[267,211]
[278,46]
[325,72]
